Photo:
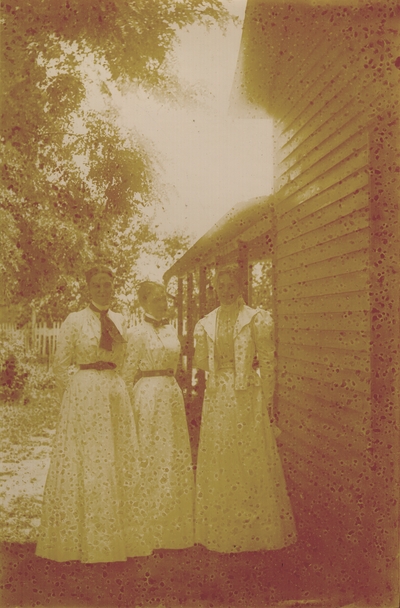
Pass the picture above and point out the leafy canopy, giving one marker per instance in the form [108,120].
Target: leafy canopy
[75,188]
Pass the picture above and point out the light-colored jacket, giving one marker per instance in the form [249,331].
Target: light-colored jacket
[253,335]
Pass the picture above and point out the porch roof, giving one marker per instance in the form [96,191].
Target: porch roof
[245,220]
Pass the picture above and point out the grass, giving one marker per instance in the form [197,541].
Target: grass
[26,430]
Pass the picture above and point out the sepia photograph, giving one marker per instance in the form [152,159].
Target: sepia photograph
[199,304]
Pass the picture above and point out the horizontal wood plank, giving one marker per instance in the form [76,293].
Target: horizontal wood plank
[339,116]
[322,431]
[344,283]
[289,66]
[349,301]
[325,208]
[324,176]
[318,249]
[334,266]
[338,376]
[336,357]
[343,321]
[331,154]
[340,492]
[346,397]
[325,410]
[324,458]
[353,340]
[325,79]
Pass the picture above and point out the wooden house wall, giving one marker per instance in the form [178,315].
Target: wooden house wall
[326,77]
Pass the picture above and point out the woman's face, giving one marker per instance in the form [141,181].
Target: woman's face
[101,289]
[157,303]
[227,289]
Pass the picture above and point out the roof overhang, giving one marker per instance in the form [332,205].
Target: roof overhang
[244,222]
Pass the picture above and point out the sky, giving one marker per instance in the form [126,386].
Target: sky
[208,160]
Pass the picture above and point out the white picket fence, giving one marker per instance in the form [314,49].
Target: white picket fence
[44,339]
[41,338]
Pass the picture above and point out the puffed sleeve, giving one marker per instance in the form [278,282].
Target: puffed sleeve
[65,351]
[133,356]
[263,332]
[201,349]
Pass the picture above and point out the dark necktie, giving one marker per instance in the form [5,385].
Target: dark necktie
[156,322]
[109,331]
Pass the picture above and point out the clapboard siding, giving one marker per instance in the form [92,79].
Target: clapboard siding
[325,251]
[315,214]
[354,300]
[323,457]
[335,338]
[322,269]
[323,95]
[338,235]
[334,145]
[321,161]
[339,121]
[334,495]
[348,359]
[291,62]
[326,175]
[350,321]
[327,431]
[298,64]
[350,262]
[322,409]
[350,398]
[343,283]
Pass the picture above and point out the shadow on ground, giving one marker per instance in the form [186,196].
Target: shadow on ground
[192,577]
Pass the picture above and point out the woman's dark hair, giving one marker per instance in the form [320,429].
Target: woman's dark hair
[232,271]
[97,270]
[145,289]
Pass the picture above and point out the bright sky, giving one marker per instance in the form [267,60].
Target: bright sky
[209,160]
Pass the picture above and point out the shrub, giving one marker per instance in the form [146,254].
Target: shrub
[21,374]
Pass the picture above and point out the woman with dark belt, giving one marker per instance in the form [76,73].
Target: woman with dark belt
[92,507]
[151,361]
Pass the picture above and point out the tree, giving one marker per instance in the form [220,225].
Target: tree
[74,187]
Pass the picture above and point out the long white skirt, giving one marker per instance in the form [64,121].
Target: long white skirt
[168,480]
[241,498]
[92,505]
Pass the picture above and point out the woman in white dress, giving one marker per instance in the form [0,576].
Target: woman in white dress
[241,498]
[92,508]
[151,362]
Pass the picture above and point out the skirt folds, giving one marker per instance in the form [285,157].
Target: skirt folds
[241,498]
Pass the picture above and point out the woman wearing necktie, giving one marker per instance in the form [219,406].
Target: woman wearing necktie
[92,505]
[152,357]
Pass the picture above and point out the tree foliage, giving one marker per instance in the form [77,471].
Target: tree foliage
[74,186]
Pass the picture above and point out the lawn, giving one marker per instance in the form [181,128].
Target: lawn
[26,430]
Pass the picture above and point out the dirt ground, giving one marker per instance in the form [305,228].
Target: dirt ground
[192,577]
[298,576]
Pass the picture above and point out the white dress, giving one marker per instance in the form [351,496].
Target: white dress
[241,498]
[92,508]
[163,436]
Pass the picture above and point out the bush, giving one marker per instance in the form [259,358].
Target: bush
[21,374]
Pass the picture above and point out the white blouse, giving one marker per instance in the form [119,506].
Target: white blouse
[78,342]
[151,348]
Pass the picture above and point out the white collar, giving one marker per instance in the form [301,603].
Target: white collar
[100,307]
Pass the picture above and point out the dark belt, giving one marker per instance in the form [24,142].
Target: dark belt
[150,373]
[99,365]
